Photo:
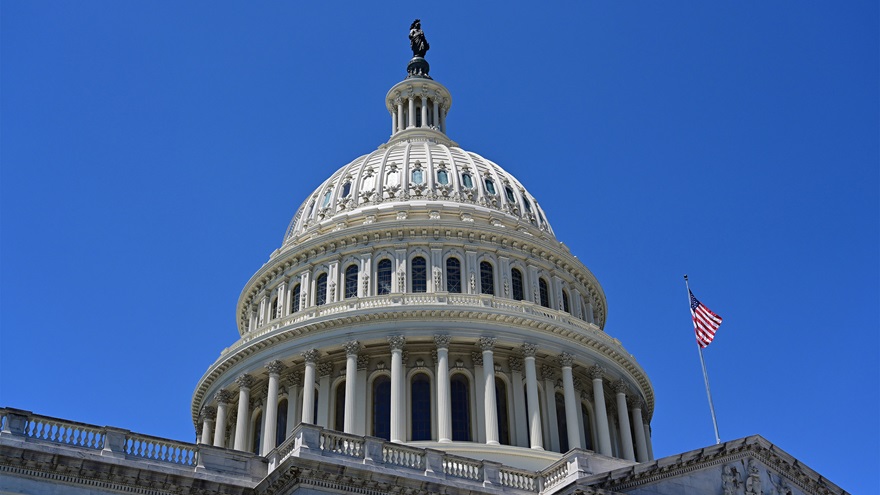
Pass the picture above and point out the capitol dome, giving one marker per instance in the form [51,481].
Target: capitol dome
[420,296]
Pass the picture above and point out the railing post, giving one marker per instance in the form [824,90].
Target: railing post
[114,441]
[373,450]
[16,422]
[491,473]
[434,463]
[310,438]
[579,464]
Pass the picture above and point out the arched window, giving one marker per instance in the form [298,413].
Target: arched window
[443,177]
[294,299]
[487,278]
[467,180]
[459,391]
[544,293]
[588,434]
[281,423]
[273,309]
[321,290]
[339,419]
[419,274]
[501,409]
[417,176]
[565,306]
[421,407]
[509,192]
[351,281]
[527,204]
[453,275]
[561,425]
[326,201]
[382,407]
[383,277]
[490,186]
[516,282]
[346,189]
[255,439]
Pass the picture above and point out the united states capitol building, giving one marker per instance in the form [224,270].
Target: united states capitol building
[419,330]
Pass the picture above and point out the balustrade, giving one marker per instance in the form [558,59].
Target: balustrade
[342,444]
[159,449]
[399,455]
[462,467]
[519,478]
[64,432]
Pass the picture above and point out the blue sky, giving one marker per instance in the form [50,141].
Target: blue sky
[153,154]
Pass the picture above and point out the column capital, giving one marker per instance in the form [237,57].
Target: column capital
[223,397]
[578,383]
[244,380]
[311,355]
[529,350]
[487,343]
[362,362]
[275,367]
[442,341]
[515,364]
[477,357]
[351,347]
[587,396]
[209,413]
[596,372]
[397,342]
[547,372]
[325,368]
[633,401]
[620,387]
[566,359]
[296,378]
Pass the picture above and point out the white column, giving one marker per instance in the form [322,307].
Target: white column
[479,394]
[208,416]
[294,405]
[486,345]
[436,114]
[360,418]
[444,409]
[270,415]
[635,407]
[401,125]
[424,100]
[393,122]
[548,375]
[596,372]
[648,441]
[571,406]
[398,406]
[626,441]
[244,397]
[222,397]
[580,419]
[520,414]
[411,115]
[443,119]
[325,369]
[308,402]
[536,439]
[351,354]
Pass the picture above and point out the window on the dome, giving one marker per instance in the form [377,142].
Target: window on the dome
[510,196]
[383,277]
[490,186]
[326,200]
[565,306]
[467,181]
[544,293]
[443,177]
[501,411]
[516,282]
[294,299]
[346,189]
[351,281]
[420,388]
[453,275]
[321,290]
[417,176]
[459,392]
[487,278]
[273,309]
[419,274]
[382,407]
[527,204]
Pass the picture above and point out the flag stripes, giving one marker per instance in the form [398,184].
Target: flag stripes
[706,322]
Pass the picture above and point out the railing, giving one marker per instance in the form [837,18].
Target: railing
[64,432]
[158,449]
[315,442]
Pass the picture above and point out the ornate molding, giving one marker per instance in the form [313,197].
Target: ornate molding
[209,413]
[442,341]
[620,387]
[596,372]
[477,358]
[566,359]
[351,347]
[547,372]
[311,355]
[529,350]
[223,397]
[515,363]
[244,381]
[325,369]
[397,342]
[275,367]
[487,343]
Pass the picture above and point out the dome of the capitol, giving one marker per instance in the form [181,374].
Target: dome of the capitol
[420,296]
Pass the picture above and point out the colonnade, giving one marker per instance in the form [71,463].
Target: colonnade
[429,112]
[532,417]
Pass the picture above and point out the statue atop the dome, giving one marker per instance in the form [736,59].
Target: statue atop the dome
[417,40]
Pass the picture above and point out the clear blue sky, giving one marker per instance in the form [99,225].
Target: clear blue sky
[153,154]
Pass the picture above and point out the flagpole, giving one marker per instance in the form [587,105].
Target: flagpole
[705,373]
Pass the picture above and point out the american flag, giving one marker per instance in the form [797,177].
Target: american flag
[706,322]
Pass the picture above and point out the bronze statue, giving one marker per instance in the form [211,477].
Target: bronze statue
[417,40]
